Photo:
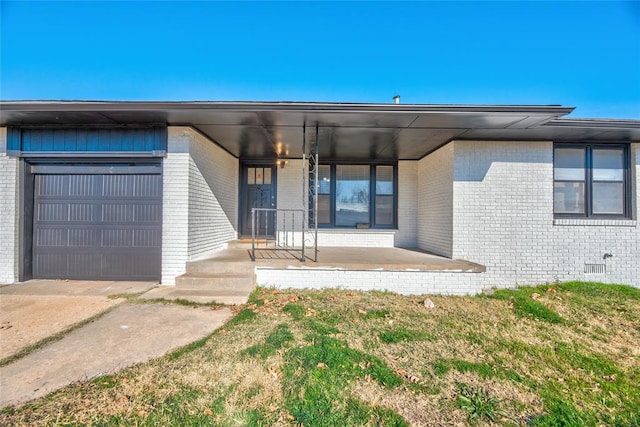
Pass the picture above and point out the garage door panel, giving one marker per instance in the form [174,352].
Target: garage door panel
[149,213]
[52,212]
[83,212]
[118,186]
[83,237]
[147,188]
[50,266]
[51,237]
[129,265]
[83,265]
[53,185]
[117,212]
[117,238]
[82,185]
[147,238]
[97,226]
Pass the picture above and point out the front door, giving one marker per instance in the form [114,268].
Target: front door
[258,191]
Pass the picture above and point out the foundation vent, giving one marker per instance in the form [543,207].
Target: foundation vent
[595,268]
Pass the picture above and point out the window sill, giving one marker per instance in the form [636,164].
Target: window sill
[595,222]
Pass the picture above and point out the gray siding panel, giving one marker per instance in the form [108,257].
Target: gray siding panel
[102,227]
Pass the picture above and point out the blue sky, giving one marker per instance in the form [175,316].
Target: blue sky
[583,54]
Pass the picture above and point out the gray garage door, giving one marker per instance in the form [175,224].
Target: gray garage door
[97,222]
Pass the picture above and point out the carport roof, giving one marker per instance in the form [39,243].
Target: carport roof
[345,130]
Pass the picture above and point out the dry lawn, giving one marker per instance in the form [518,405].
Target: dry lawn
[336,357]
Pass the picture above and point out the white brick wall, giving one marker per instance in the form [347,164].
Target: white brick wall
[175,212]
[356,238]
[200,184]
[289,192]
[213,196]
[8,213]
[503,219]
[402,282]
[435,202]
[407,235]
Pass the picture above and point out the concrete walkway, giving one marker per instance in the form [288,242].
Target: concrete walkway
[128,334]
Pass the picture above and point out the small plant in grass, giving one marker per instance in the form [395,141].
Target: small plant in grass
[376,314]
[275,341]
[243,315]
[525,306]
[478,403]
[297,311]
[396,335]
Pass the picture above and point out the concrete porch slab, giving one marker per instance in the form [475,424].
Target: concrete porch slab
[350,258]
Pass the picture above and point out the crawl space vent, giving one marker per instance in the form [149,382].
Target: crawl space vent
[595,268]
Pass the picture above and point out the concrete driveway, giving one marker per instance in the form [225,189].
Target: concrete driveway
[128,333]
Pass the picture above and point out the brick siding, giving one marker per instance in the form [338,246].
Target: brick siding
[9,191]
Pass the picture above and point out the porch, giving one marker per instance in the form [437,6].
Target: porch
[230,275]
[355,259]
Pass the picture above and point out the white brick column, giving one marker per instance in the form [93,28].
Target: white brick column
[200,200]
[407,235]
[9,224]
[175,207]
[435,201]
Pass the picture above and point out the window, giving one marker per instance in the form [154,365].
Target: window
[352,195]
[356,195]
[590,181]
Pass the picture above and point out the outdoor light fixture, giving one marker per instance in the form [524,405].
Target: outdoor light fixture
[282,163]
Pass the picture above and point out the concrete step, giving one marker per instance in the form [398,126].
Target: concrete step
[213,267]
[202,296]
[219,282]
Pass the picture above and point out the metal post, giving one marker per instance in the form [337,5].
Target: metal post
[305,185]
[253,234]
[315,197]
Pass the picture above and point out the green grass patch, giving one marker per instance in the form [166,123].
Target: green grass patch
[377,314]
[561,413]
[177,354]
[400,334]
[525,306]
[483,369]
[478,404]
[601,290]
[125,296]
[297,311]
[105,382]
[244,315]
[256,297]
[275,341]
[176,301]
[315,379]
[320,327]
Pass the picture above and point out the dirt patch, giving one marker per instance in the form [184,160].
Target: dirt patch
[27,319]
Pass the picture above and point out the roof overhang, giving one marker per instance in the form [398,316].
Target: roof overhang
[345,131]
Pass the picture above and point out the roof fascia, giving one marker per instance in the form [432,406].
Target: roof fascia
[555,110]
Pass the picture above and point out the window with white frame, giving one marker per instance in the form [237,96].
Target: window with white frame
[591,180]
